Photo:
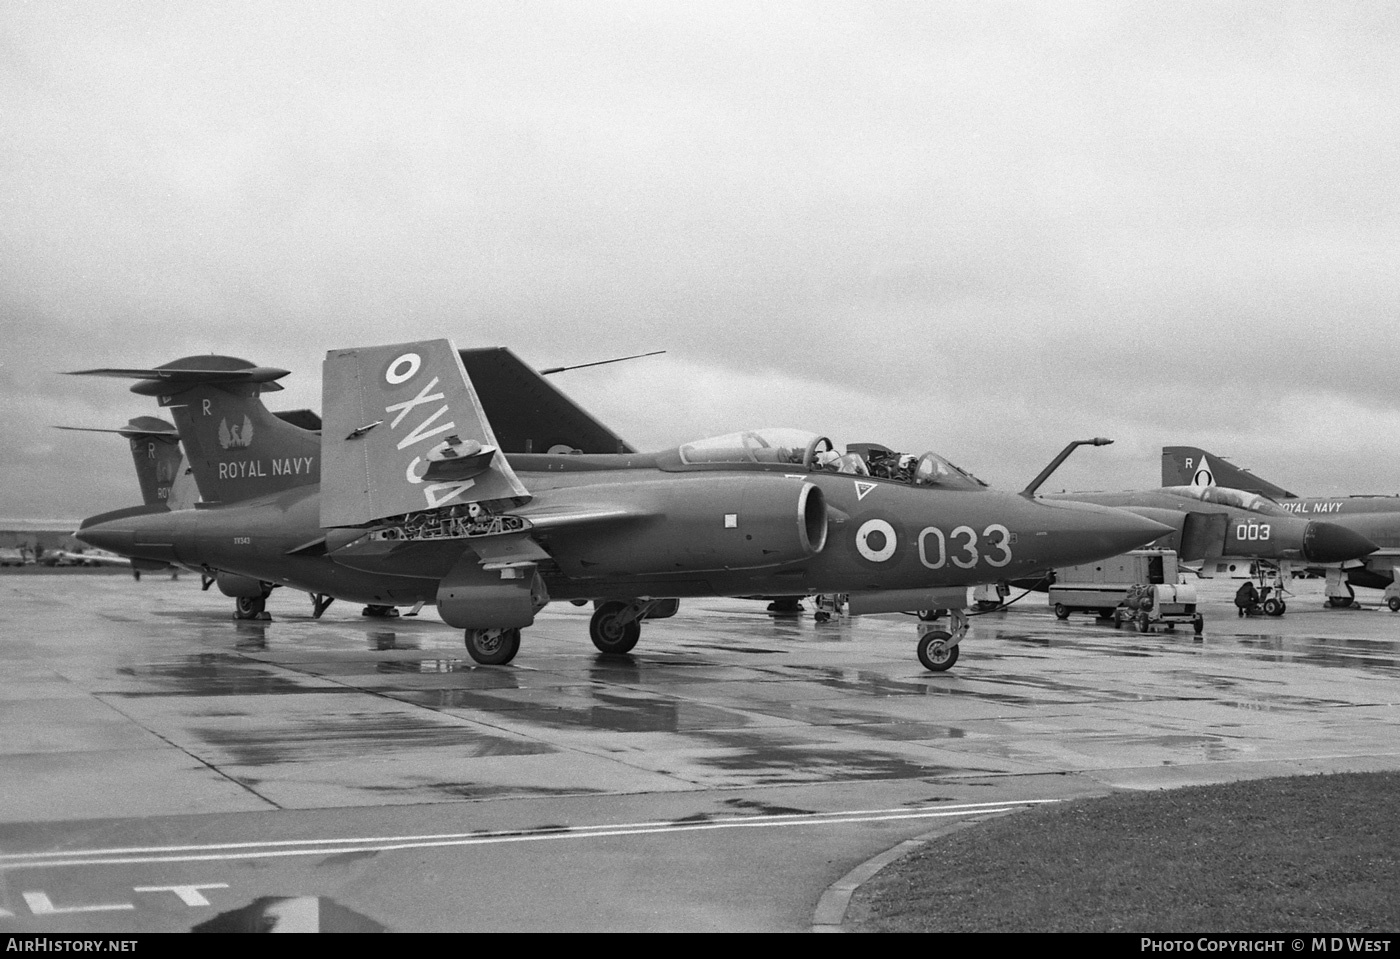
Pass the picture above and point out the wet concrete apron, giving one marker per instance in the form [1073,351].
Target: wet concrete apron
[163,766]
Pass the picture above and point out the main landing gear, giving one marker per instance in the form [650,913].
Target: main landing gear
[616,626]
[252,607]
[493,647]
[938,648]
[1345,601]
[380,612]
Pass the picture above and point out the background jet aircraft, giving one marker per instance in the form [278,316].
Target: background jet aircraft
[1211,524]
[417,504]
[1375,517]
[159,462]
[534,416]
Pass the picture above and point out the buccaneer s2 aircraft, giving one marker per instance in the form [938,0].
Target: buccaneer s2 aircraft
[417,504]
[1375,517]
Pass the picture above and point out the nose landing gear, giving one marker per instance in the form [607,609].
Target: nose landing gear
[938,648]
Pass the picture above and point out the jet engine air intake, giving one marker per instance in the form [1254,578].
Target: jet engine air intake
[811,511]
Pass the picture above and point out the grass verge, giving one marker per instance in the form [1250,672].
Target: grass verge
[1310,853]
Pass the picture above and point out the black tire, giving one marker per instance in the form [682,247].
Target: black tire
[1394,604]
[988,605]
[493,647]
[821,616]
[1061,611]
[1106,613]
[933,654]
[1198,624]
[930,615]
[609,633]
[1273,607]
[1143,625]
[1339,602]
[249,607]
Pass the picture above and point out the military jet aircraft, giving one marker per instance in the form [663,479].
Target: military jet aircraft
[1375,517]
[1210,524]
[417,504]
[527,413]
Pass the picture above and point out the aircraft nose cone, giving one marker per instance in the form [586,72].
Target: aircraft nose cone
[1087,532]
[1127,531]
[106,536]
[1330,543]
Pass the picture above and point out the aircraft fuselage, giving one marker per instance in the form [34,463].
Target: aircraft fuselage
[682,533]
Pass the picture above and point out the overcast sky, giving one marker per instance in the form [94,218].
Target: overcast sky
[980,228]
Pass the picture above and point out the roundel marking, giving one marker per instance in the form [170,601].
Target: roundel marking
[394,375]
[1203,477]
[884,543]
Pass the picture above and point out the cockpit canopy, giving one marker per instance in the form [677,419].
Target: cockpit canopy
[750,446]
[800,449]
[1223,496]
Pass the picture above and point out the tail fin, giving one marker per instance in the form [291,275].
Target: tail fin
[405,432]
[155,450]
[528,413]
[1192,466]
[237,449]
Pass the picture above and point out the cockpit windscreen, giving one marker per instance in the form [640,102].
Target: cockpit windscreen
[1224,496]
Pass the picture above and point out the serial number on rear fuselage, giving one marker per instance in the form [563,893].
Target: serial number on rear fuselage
[286,466]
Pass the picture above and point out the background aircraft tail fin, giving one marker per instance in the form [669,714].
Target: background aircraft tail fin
[237,449]
[405,432]
[155,450]
[1192,466]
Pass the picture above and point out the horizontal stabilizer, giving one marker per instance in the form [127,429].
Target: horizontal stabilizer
[138,428]
[404,431]
[181,374]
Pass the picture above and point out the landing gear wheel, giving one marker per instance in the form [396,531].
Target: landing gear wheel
[249,607]
[608,630]
[1273,607]
[821,616]
[493,647]
[934,654]
[988,605]
[1106,613]
[1394,604]
[930,615]
[1143,624]
[1339,602]
[1061,611]
[380,612]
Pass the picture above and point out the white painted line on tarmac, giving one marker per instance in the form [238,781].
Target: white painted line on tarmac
[215,852]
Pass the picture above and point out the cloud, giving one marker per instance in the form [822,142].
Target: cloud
[995,226]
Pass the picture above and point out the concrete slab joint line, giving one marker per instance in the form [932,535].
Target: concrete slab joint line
[830,913]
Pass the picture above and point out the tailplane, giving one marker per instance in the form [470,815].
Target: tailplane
[237,449]
[1192,466]
[405,432]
